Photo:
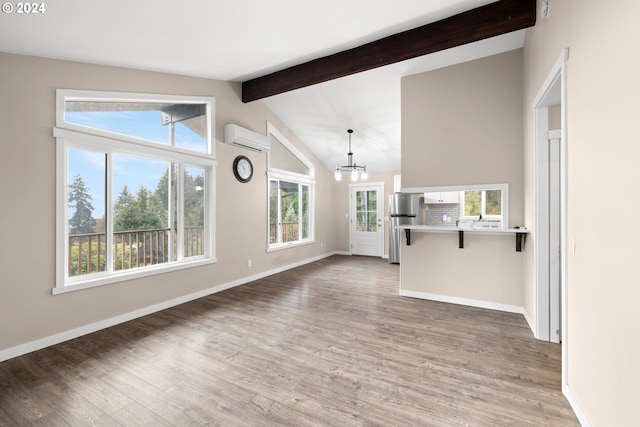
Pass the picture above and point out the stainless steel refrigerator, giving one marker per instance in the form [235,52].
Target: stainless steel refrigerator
[404,209]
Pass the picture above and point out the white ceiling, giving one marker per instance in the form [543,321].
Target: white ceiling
[242,39]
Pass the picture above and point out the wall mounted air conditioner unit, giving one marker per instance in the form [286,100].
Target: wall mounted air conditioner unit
[244,138]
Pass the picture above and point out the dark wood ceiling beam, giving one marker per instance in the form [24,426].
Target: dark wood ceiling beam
[477,24]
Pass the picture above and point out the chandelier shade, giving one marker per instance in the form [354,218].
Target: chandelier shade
[351,167]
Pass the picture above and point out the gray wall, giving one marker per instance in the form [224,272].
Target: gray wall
[462,125]
[28,310]
[602,158]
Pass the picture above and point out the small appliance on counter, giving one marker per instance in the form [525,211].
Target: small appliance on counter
[404,209]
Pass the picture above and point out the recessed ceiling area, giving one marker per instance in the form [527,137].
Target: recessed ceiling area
[245,39]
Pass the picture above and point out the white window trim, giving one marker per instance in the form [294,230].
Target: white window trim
[290,176]
[63,95]
[271,129]
[504,187]
[483,208]
[283,175]
[91,139]
[271,247]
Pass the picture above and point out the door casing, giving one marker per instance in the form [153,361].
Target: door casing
[379,187]
[552,92]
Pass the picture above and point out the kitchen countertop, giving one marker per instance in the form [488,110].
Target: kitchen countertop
[519,233]
[454,229]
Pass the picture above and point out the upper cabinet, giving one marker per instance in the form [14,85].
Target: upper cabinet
[442,197]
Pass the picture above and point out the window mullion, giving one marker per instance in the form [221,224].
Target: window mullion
[171,183]
[483,203]
[62,211]
[299,211]
[172,134]
[208,212]
[180,213]
[279,227]
[108,197]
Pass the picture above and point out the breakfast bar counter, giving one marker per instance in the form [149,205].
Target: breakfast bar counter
[519,232]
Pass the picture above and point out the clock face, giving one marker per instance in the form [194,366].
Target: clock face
[243,169]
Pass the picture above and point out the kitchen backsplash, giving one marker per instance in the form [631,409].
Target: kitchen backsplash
[442,214]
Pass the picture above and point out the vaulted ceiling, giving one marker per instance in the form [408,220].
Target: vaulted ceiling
[351,61]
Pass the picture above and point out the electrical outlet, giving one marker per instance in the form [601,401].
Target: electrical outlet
[544,12]
[249,263]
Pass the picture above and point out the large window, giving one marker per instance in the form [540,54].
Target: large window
[289,212]
[135,186]
[291,184]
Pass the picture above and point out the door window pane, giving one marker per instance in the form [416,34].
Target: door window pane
[366,211]
[372,222]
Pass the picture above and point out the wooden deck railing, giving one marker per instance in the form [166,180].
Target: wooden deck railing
[289,232]
[131,249]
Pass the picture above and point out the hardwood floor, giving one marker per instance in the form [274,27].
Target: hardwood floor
[330,343]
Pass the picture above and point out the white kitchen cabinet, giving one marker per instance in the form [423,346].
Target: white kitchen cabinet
[442,197]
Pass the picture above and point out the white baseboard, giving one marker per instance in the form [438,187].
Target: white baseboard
[464,301]
[347,253]
[532,325]
[577,409]
[41,343]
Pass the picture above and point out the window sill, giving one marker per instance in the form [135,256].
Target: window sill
[129,275]
[282,246]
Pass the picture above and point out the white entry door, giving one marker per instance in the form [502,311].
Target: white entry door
[366,219]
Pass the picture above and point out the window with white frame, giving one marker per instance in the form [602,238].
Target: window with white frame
[135,185]
[291,194]
[481,204]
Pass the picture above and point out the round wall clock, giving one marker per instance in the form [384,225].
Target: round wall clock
[243,169]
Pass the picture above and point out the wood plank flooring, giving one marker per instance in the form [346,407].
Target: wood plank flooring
[327,344]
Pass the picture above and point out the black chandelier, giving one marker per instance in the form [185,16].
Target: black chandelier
[351,167]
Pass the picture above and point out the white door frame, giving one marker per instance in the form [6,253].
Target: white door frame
[555,233]
[552,92]
[380,207]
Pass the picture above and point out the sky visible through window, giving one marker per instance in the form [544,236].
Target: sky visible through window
[127,170]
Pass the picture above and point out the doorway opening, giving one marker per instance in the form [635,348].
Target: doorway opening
[550,256]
